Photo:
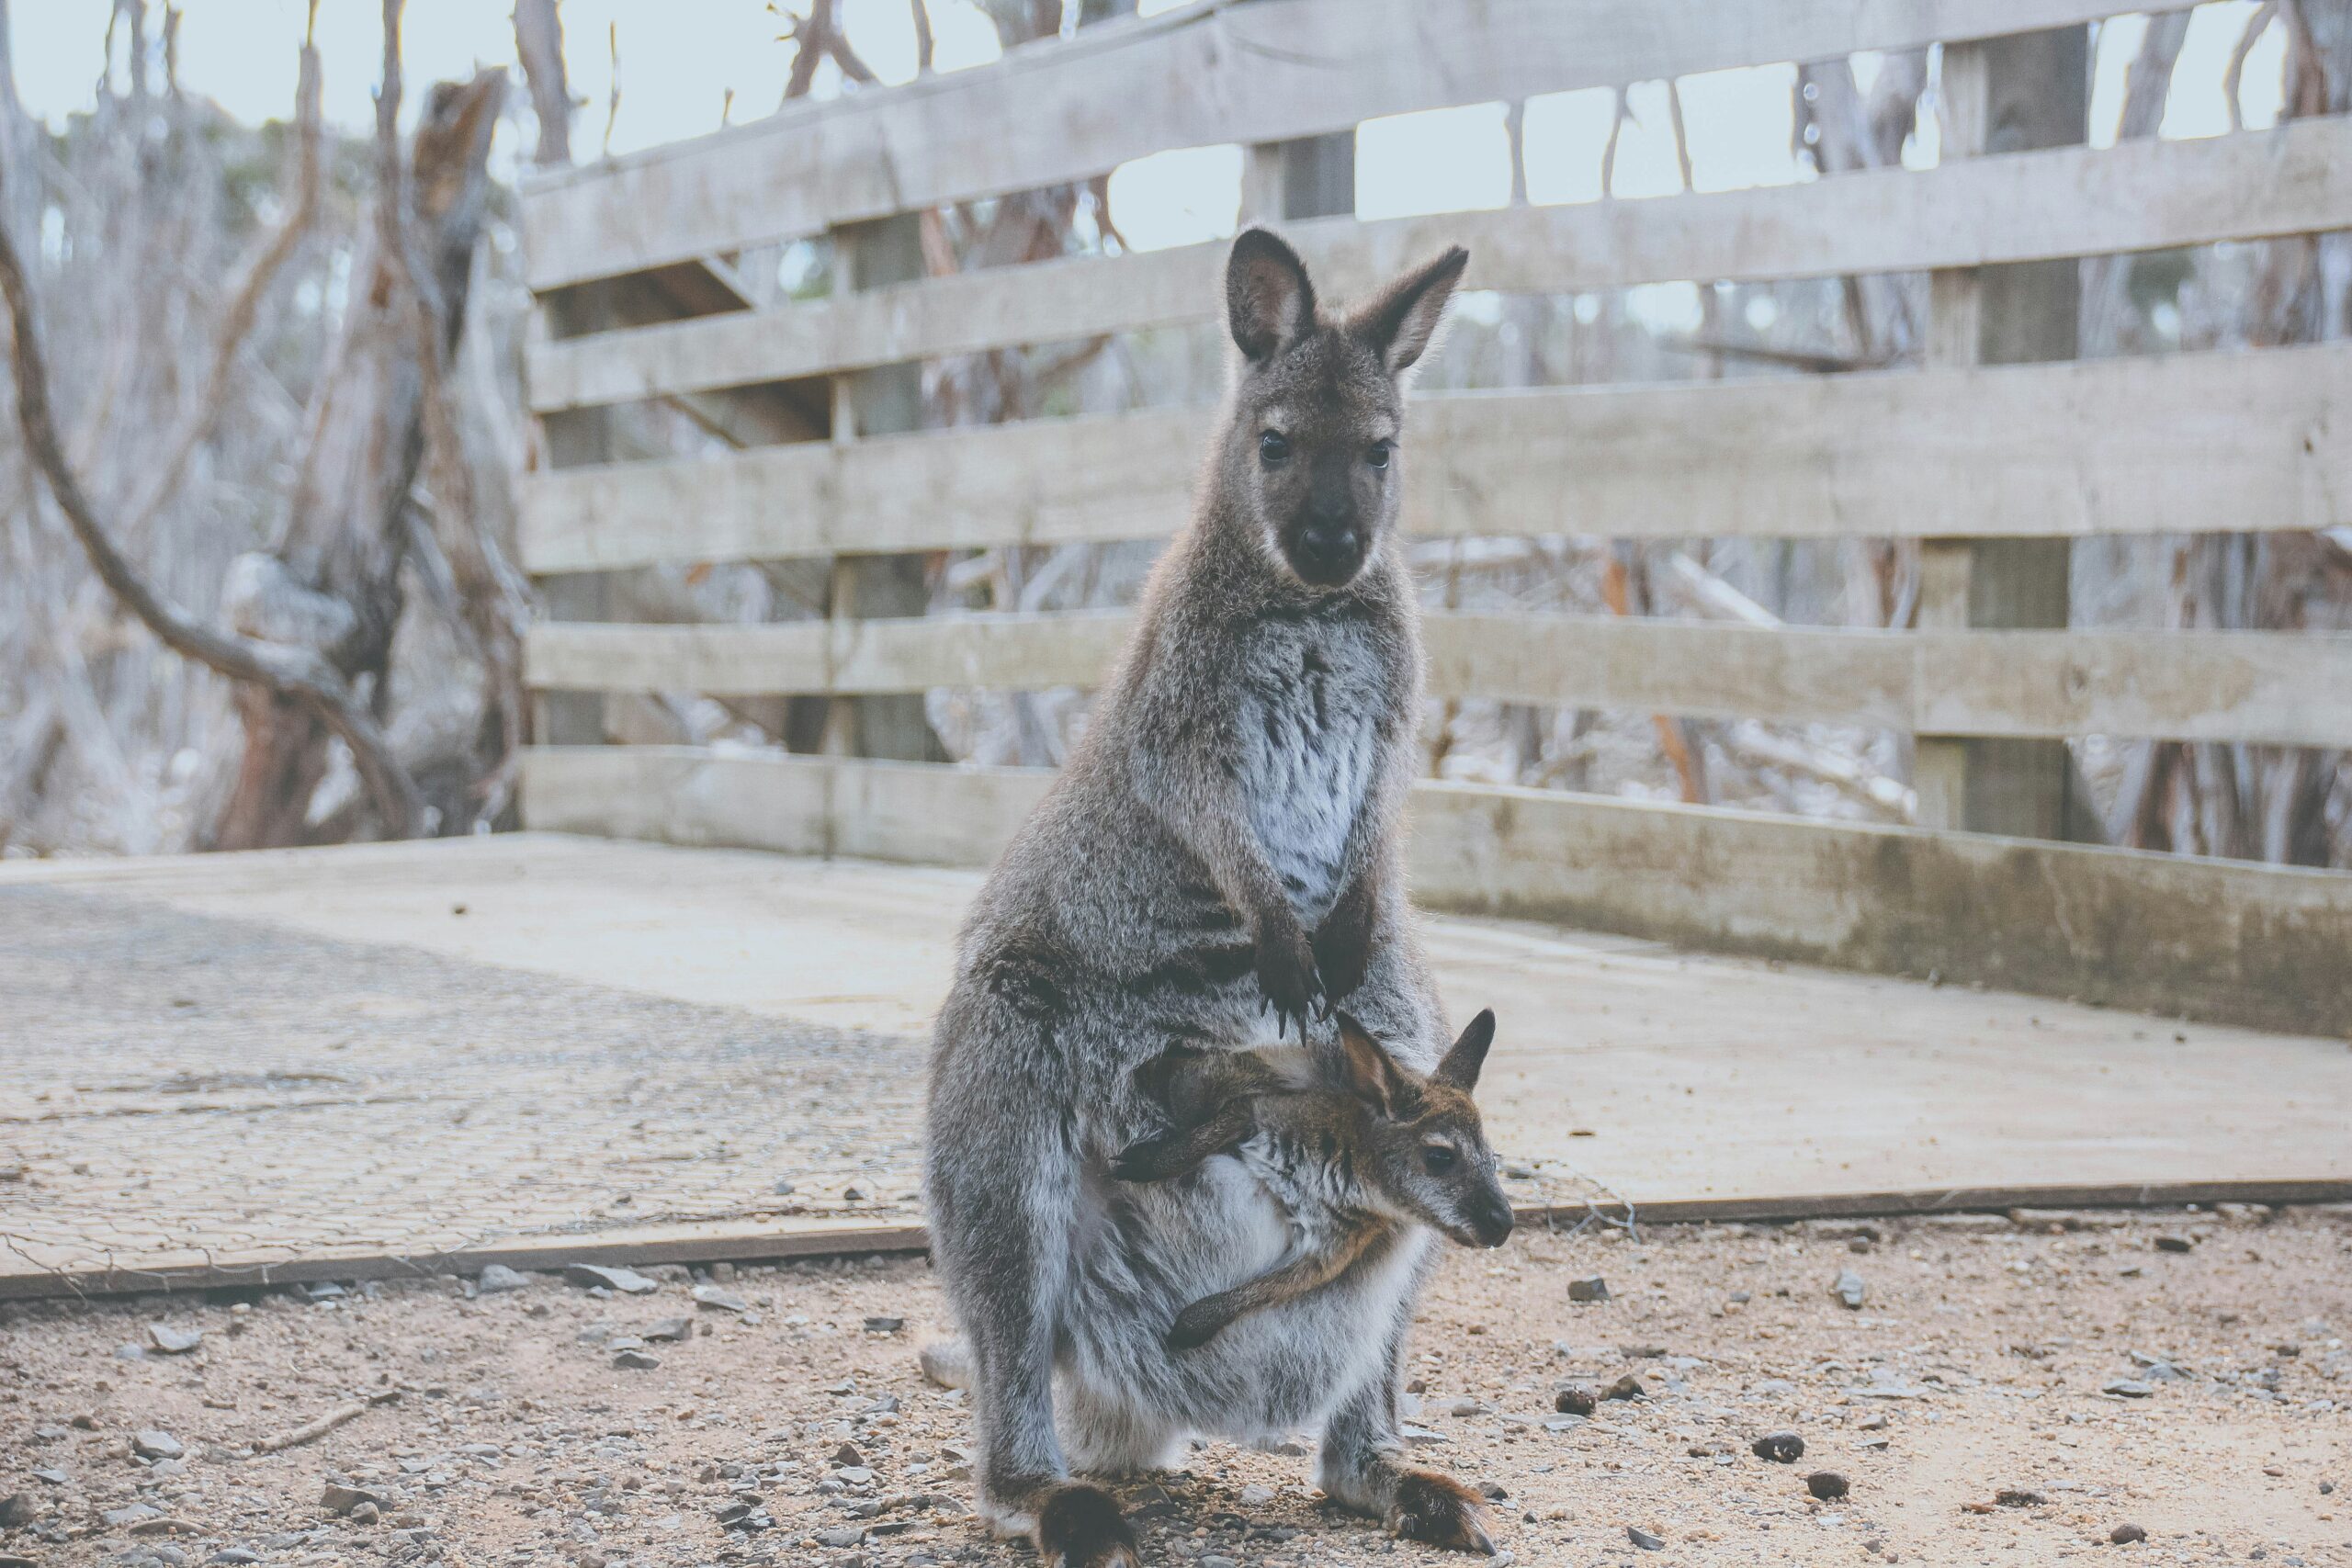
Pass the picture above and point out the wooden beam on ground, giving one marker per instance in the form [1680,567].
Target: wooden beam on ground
[2069,201]
[2252,440]
[2276,688]
[1300,69]
[2227,941]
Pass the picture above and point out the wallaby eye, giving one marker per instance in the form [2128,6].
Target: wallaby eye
[1438,1159]
[1378,456]
[1273,447]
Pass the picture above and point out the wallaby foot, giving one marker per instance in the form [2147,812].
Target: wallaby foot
[1081,1526]
[1441,1511]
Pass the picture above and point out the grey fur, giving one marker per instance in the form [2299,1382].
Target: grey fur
[1224,837]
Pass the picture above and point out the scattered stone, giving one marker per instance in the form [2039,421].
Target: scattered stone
[845,1536]
[2127,1388]
[233,1557]
[2124,1535]
[53,1476]
[1593,1290]
[1419,1437]
[127,1351]
[846,1456]
[1517,1171]
[717,1299]
[2018,1497]
[1575,1399]
[17,1511]
[1849,1290]
[172,1340]
[1780,1448]
[150,1443]
[122,1519]
[946,1362]
[1826,1484]
[2174,1244]
[783,1188]
[340,1499]
[164,1525]
[364,1513]
[1467,1407]
[1627,1387]
[1257,1496]
[884,1325]
[671,1329]
[322,1290]
[627,1281]
[1643,1540]
[636,1361]
[1492,1491]
[497,1277]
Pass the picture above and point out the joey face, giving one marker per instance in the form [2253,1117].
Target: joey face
[1312,454]
[1424,1147]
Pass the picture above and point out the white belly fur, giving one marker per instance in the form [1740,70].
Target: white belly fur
[1305,790]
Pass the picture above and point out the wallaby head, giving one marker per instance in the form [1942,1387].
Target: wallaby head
[1424,1147]
[1310,459]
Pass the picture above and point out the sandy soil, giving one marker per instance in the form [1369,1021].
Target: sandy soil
[497,1428]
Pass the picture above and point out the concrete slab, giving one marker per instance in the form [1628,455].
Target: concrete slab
[1671,1078]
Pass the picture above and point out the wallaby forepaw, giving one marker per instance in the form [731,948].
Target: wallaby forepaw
[1441,1511]
[1145,1160]
[1286,973]
[1081,1526]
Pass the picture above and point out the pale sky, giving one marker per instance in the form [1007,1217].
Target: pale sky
[679,59]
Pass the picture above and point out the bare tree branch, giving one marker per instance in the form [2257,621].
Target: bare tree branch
[538,44]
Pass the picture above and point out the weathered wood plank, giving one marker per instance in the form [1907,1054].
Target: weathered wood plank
[2176,444]
[2226,940]
[2288,689]
[2140,195]
[1209,74]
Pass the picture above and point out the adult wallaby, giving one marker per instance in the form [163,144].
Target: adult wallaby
[1222,843]
[1350,1155]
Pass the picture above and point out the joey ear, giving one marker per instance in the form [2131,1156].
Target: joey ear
[1373,1075]
[1460,1068]
[1399,321]
[1267,296]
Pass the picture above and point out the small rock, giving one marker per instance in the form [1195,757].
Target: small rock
[1492,1491]
[2127,1388]
[1574,1401]
[717,1299]
[364,1513]
[53,1476]
[1217,1560]
[2018,1497]
[1849,1290]
[1593,1290]
[1257,1496]
[946,1362]
[15,1511]
[1826,1484]
[131,1515]
[149,1443]
[884,1325]
[845,1536]
[1627,1387]
[846,1456]
[497,1277]
[1643,1540]
[671,1329]
[322,1290]
[127,1351]
[172,1340]
[637,1361]
[2124,1535]
[783,1188]
[1419,1437]
[2174,1244]
[233,1557]
[853,1195]
[1780,1448]
[164,1525]
[628,1281]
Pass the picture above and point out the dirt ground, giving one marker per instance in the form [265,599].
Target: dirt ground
[501,1428]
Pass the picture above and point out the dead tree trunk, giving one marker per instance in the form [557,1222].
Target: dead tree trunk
[332,581]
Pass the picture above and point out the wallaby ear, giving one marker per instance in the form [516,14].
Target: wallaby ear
[1373,1075]
[1267,295]
[1399,321]
[1460,1068]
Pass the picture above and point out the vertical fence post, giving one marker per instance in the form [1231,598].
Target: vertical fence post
[2004,95]
[884,401]
[1314,176]
[575,437]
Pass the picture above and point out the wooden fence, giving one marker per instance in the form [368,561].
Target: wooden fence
[1993,467]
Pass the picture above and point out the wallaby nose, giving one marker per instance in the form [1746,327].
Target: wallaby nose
[1493,1219]
[1328,538]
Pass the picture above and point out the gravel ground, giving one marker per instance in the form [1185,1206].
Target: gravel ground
[1992,1399]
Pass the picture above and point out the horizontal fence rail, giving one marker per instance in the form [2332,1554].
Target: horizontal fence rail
[2068,201]
[2178,443]
[2278,688]
[1266,71]
[2258,944]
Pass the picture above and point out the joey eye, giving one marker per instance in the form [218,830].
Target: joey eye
[1438,1160]
[1273,447]
[1378,455]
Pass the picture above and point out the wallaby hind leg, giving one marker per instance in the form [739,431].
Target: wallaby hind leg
[1204,1319]
[1181,1152]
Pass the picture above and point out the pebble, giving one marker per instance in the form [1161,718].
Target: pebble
[2018,1497]
[846,1536]
[884,1325]
[338,1497]
[637,1360]
[1849,1289]
[1826,1484]
[2127,1388]
[1627,1387]
[628,1281]
[150,1443]
[717,1299]
[1257,1496]
[364,1513]
[1574,1400]
[1643,1540]
[172,1340]
[847,1455]
[671,1329]
[946,1363]
[234,1557]
[130,1515]
[15,1511]
[1593,1290]
[2124,1535]
[497,1277]
[1780,1448]
[2174,1244]
[53,1476]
